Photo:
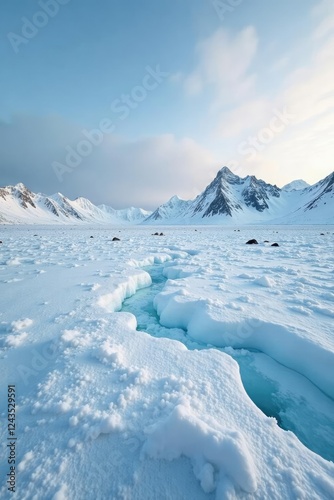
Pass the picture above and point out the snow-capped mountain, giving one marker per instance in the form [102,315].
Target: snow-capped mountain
[132,214]
[226,196]
[175,207]
[20,205]
[313,205]
[295,185]
[230,199]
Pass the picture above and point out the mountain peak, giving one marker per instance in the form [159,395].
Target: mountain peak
[227,175]
[21,187]
[175,199]
[225,171]
[296,185]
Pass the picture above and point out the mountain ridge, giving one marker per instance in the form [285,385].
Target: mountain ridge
[228,199]
[20,205]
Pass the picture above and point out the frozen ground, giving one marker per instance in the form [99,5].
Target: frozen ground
[107,411]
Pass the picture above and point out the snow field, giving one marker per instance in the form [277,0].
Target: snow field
[231,309]
[115,413]
[280,392]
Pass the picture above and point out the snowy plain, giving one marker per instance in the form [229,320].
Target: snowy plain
[214,380]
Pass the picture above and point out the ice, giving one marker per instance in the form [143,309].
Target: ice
[118,399]
[296,403]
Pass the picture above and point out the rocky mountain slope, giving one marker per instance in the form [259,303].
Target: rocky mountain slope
[231,199]
[228,199]
[20,205]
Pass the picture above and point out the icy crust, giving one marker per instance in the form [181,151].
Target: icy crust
[122,288]
[105,411]
[280,301]
[133,280]
[117,397]
[204,321]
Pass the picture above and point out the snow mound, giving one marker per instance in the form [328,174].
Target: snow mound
[210,450]
[21,324]
[264,281]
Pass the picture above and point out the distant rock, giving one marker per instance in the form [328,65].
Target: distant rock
[275,245]
[252,242]
[115,239]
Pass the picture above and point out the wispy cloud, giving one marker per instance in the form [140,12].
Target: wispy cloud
[248,116]
[223,63]
[305,148]
[324,11]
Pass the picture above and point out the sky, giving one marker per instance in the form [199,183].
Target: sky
[128,103]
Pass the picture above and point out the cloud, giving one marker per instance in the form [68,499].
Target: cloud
[223,61]
[304,154]
[252,114]
[311,88]
[119,172]
[305,146]
[324,11]
[308,147]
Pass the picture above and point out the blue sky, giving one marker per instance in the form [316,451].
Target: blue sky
[246,83]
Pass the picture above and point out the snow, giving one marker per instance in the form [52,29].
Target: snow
[21,324]
[230,199]
[107,408]
[296,185]
[18,205]
[227,200]
[183,433]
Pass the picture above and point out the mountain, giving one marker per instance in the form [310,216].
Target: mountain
[230,199]
[315,204]
[296,185]
[174,208]
[132,214]
[20,205]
